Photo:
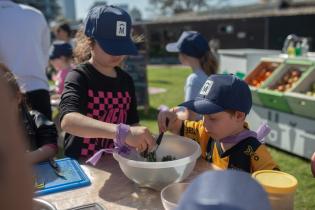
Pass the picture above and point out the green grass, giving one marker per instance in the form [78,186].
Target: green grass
[300,168]
[173,79]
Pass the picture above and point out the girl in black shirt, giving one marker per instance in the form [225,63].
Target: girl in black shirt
[99,103]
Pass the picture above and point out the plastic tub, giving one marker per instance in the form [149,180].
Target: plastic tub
[257,77]
[157,175]
[280,187]
[170,195]
[299,102]
[275,99]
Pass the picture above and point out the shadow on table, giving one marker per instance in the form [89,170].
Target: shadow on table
[120,190]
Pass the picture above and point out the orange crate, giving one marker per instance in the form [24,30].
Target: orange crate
[260,74]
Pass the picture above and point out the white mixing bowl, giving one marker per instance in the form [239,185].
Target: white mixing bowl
[157,175]
[170,195]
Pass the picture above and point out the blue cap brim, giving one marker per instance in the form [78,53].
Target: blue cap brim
[118,47]
[172,47]
[202,106]
[51,57]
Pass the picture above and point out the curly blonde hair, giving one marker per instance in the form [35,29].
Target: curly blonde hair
[82,50]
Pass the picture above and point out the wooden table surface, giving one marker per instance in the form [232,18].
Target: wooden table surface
[113,190]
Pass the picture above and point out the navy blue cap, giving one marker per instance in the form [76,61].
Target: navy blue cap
[59,49]
[221,92]
[224,190]
[110,26]
[190,43]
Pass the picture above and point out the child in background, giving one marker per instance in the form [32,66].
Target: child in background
[42,133]
[60,58]
[194,52]
[62,32]
[224,101]
[99,102]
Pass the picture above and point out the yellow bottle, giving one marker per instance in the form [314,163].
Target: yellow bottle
[291,50]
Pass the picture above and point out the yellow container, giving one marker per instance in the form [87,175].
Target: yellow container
[280,187]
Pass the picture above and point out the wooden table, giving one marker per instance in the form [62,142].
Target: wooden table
[113,190]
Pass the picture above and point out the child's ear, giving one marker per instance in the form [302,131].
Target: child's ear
[240,116]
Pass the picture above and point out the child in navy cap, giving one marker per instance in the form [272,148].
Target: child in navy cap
[60,57]
[99,102]
[225,140]
[194,52]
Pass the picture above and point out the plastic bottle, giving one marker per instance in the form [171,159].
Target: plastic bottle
[298,49]
[291,50]
[305,46]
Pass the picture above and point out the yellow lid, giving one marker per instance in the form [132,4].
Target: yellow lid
[276,181]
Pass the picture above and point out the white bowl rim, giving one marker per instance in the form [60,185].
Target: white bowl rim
[158,165]
[42,201]
[168,186]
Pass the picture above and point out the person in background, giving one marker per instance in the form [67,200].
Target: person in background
[16,182]
[41,132]
[62,32]
[224,190]
[98,103]
[194,52]
[223,135]
[25,41]
[60,58]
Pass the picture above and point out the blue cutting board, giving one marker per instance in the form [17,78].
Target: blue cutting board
[70,168]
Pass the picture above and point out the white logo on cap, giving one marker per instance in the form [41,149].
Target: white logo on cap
[121,28]
[206,88]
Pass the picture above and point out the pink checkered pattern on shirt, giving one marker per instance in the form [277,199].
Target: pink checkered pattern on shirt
[100,106]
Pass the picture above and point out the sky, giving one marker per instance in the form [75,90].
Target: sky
[82,6]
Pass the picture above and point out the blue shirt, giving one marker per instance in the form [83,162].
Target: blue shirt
[194,83]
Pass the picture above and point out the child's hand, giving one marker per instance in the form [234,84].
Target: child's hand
[173,120]
[140,138]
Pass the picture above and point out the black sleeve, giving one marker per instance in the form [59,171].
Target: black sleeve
[73,98]
[132,117]
[46,131]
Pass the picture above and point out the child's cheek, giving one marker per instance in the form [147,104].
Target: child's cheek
[208,126]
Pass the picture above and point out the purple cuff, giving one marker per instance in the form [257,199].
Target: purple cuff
[121,134]
[263,131]
[119,142]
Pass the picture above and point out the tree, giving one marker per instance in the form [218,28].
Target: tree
[49,8]
[178,6]
[135,14]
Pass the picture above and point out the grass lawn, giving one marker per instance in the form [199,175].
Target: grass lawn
[173,78]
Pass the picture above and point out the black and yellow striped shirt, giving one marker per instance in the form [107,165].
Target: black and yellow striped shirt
[248,155]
